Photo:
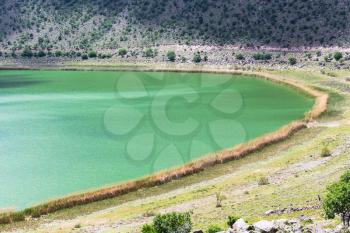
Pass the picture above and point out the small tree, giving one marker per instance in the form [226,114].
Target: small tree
[149,53]
[337,56]
[171,56]
[27,52]
[41,53]
[292,61]
[122,52]
[173,223]
[92,54]
[239,56]
[84,57]
[337,200]
[197,57]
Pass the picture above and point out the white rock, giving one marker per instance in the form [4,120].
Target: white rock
[264,226]
[240,226]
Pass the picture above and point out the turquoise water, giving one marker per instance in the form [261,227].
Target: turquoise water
[64,132]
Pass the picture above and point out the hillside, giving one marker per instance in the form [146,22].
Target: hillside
[109,24]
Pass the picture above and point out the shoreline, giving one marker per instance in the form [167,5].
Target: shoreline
[196,166]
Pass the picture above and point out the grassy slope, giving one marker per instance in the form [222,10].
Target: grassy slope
[296,171]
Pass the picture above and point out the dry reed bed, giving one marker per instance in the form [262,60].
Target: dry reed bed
[162,177]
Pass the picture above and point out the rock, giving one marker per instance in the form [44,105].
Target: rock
[304,218]
[240,226]
[265,226]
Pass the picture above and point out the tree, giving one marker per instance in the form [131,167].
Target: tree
[27,52]
[337,200]
[239,56]
[171,56]
[92,54]
[122,52]
[292,61]
[41,53]
[337,56]
[149,52]
[169,223]
[84,57]
[197,57]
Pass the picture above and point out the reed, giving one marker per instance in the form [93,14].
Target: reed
[196,166]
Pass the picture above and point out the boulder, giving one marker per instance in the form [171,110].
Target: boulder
[265,226]
[240,226]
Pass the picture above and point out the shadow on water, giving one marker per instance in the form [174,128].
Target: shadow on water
[16,81]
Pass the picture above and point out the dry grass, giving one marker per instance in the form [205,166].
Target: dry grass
[162,177]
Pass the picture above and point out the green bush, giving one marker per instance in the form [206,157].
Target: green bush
[231,220]
[27,52]
[213,229]
[148,229]
[239,56]
[337,200]
[325,152]
[92,54]
[171,56]
[84,57]
[0,54]
[197,58]
[292,61]
[337,56]
[263,181]
[173,223]
[41,53]
[149,53]
[122,52]
[262,56]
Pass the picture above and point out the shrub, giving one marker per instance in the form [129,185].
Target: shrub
[214,229]
[262,56]
[171,56]
[337,200]
[0,54]
[219,199]
[92,54]
[337,56]
[325,152]
[41,53]
[149,53]
[27,52]
[84,57]
[239,56]
[263,181]
[292,61]
[231,220]
[173,223]
[318,53]
[148,229]
[122,52]
[197,57]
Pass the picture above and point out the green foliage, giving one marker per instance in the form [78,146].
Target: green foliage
[231,220]
[171,56]
[337,200]
[173,223]
[84,56]
[27,52]
[92,54]
[197,57]
[337,56]
[149,53]
[148,229]
[213,229]
[292,61]
[325,152]
[41,53]
[262,56]
[263,181]
[239,56]
[122,52]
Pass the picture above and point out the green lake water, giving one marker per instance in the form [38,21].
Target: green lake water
[63,132]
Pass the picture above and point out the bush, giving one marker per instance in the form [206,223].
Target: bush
[171,56]
[231,220]
[239,56]
[292,61]
[214,229]
[262,56]
[172,223]
[122,52]
[84,57]
[337,56]
[337,200]
[325,152]
[263,181]
[148,229]
[27,52]
[92,54]
[0,54]
[41,54]
[197,57]
[149,53]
